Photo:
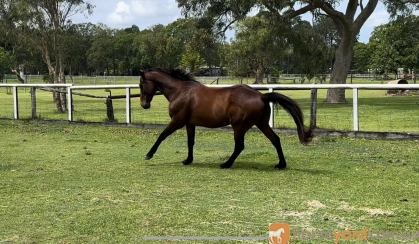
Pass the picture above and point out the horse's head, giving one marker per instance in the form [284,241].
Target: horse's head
[148,90]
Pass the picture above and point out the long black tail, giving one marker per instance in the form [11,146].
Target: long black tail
[305,134]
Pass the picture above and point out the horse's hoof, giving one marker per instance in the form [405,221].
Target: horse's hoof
[279,167]
[148,157]
[224,166]
[186,162]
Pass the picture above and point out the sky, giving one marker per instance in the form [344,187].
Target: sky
[146,13]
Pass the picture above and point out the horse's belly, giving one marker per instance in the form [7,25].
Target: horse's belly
[210,121]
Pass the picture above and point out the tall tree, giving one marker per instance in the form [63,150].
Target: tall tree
[385,57]
[401,7]
[222,14]
[183,42]
[6,61]
[150,47]
[362,57]
[124,50]
[11,13]
[191,61]
[101,53]
[407,40]
[324,27]
[76,44]
[310,49]
[255,48]
[43,22]
[395,44]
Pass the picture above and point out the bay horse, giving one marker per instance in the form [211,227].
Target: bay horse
[192,104]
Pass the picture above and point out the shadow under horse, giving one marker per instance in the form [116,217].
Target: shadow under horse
[193,104]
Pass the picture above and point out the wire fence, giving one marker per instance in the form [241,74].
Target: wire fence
[376,110]
[218,80]
[78,80]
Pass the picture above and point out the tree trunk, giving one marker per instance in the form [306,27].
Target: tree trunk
[19,78]
[22,72]
[52,71]
[56,95]
[70,73]
[63,96]
[340,70]
[347,27]
[260,73]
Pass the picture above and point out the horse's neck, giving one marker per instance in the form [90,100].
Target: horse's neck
[167,86]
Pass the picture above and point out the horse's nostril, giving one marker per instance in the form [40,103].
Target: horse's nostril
[145,105]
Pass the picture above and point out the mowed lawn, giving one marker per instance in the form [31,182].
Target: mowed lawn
[85,184]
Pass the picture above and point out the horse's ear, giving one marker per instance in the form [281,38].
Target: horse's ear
[142,74]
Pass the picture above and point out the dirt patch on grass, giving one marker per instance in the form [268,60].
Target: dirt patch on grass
[316,204]
[17,239]
[345,207]
[377,212]
[136,132]
[373,212]
[299,214]
[67,131]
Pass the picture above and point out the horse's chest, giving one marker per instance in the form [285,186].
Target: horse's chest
[178,107]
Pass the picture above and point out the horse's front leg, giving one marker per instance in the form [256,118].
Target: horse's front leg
[190,130]
[172,127]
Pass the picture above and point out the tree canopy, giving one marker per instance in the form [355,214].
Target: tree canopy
[221,15]
[40,38]
[392,46]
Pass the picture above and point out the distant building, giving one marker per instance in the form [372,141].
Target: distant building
[206,71]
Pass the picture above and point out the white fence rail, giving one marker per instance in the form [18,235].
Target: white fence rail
[355,88]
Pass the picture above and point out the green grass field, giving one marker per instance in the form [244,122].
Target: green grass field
[377,111]
[90,184]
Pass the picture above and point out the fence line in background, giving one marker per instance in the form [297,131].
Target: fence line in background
[270,88]
[16,97]
[31,76]
[98,80]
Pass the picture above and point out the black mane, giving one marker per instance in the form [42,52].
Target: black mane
[175,73]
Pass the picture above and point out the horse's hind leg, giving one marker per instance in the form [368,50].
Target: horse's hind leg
[172,127]
[239,133]
[270,134]
[190,130]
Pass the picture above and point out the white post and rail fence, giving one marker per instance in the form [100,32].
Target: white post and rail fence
[69,88]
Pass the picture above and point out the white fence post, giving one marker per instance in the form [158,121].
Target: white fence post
[271,118]
[128,105]
[70,104]
[355,109]
[15,103]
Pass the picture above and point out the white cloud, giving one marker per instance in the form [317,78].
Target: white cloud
[144,13]
[253,12]
[121,15]
[377,18]
[153,8]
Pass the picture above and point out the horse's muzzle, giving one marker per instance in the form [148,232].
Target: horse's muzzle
[146,105]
